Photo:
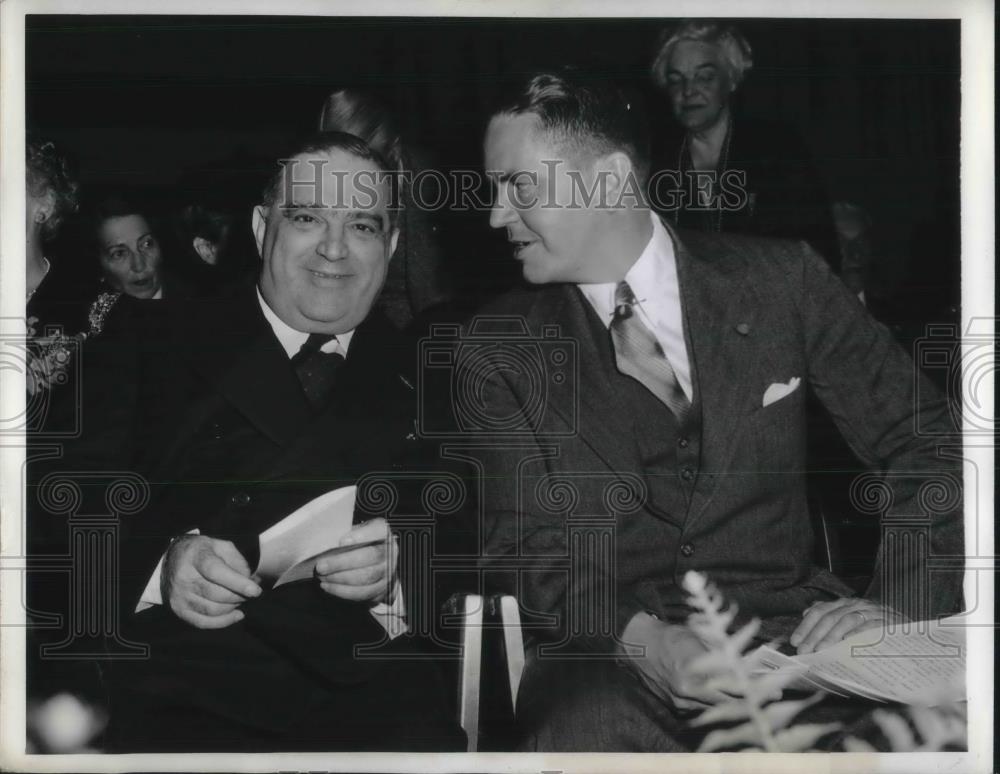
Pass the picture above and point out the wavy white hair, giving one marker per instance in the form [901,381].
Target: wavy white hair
[736,51]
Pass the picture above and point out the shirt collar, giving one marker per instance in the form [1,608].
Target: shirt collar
[292,340]
[654,267]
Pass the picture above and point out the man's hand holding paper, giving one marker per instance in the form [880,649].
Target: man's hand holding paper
[204,581]
[354,562]
[827,623]
[366,572]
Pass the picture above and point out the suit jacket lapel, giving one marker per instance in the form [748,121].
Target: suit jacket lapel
[719,311]
[601,423]
[719,308]
[370,398]
[248,367]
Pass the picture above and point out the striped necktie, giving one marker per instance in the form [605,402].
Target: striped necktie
[638,354]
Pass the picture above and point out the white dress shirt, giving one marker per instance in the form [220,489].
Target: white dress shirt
[653,279]
[391,617]
[292,340]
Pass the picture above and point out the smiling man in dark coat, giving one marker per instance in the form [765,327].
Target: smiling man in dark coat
[237,412]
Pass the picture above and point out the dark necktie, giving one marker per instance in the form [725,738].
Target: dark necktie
[639,355]
[317,371]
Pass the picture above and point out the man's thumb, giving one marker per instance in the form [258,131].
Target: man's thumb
[231,556]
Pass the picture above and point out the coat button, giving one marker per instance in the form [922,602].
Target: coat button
[687,474]
[240,499]
[683,442]
[687,550]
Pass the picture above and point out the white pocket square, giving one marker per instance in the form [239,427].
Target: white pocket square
[777,391]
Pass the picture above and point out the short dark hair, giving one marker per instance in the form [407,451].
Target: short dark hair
[363,114]
[201,220]
[48,171]
[118,205]
[591,114]
[324,142]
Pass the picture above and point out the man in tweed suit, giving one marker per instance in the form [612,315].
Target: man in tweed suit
[695,353]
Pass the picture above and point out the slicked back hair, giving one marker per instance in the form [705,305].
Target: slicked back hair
[584,115]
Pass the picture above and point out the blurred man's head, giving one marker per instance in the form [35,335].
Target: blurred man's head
[205,230]
[363,114]
[571,159]
[325,233]
[698,65]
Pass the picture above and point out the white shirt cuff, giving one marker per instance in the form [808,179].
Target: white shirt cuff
[392,616]
[151,594]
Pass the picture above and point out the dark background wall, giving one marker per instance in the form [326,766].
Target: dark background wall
[174,103]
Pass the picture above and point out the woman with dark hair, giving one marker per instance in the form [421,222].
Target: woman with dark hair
[417,280]
[762,180]
[128,252]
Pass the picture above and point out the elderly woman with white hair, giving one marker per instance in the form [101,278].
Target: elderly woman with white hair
[733,173]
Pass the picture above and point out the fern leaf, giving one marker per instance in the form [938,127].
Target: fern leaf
[780,714]
[931,727]
[711,662]
[722,713]
[728,738]
[713,624]
[774,683]
[939,726]
[802,738]
[694,582]
[896,731]
[741,639]
[728,684]
[855,745]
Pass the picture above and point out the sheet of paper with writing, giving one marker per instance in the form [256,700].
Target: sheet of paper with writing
[290,549]
[921,663]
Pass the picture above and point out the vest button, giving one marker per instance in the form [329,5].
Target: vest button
[687,550]
[687,474]
[683,442]
[240,499]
